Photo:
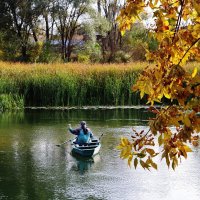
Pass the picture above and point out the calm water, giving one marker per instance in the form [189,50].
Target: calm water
[33,167]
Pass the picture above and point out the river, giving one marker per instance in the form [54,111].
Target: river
[33,167]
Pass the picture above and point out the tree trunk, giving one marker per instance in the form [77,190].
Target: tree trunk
[34,36]
[69,50]
[99,6]
[112,46]
[47,27]
[63,46]
[24,53]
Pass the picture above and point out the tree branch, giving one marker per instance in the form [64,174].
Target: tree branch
[179,19]
[189,49]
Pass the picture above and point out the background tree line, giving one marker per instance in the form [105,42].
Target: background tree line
[68,30]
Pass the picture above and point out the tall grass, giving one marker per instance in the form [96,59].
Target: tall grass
[71,84]
[11,102]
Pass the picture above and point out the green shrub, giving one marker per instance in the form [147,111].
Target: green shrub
[91,50]
[152,44]
[83,58]
[121,57]
[138,52]
[48,54]
[36,51]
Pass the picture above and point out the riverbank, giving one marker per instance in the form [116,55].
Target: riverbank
[71,84]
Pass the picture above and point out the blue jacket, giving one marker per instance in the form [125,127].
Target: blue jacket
[81,136]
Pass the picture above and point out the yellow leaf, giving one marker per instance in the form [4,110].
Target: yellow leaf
[130,159]
[196,6]
[167,135]
[187,149]
[119,147]
[151,4]
[194,72]
[123,32]
[155,3]
[123,152]
[126,151]
[126,155]
[186,121]
[182,149]
[166,94]
[142,94]
[124,141]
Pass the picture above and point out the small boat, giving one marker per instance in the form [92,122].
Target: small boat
[86,150]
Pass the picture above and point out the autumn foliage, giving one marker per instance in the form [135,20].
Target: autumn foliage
[177,30]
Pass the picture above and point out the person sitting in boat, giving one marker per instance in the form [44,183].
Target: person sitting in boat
[84,134]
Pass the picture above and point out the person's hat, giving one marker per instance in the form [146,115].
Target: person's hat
[83,123]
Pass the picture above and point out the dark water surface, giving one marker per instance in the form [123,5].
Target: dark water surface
[33,167]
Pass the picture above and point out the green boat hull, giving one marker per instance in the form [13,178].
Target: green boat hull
[87,150]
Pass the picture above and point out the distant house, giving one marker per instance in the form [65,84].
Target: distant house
[76,40]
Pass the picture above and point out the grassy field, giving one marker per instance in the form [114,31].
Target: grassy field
[71,84]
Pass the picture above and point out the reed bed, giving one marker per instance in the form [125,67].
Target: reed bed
[72,84]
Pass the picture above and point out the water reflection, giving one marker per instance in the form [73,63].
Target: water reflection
[84,165]
[108,117]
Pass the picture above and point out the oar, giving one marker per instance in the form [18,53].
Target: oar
[58,145]
[100,137]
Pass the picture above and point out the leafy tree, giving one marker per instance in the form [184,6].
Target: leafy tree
[68,14]
[5,18]
[22,20]
[134,42]
[7,44]
[95,27]
[177,29]
[91,50]
[47,9]
[111,42]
